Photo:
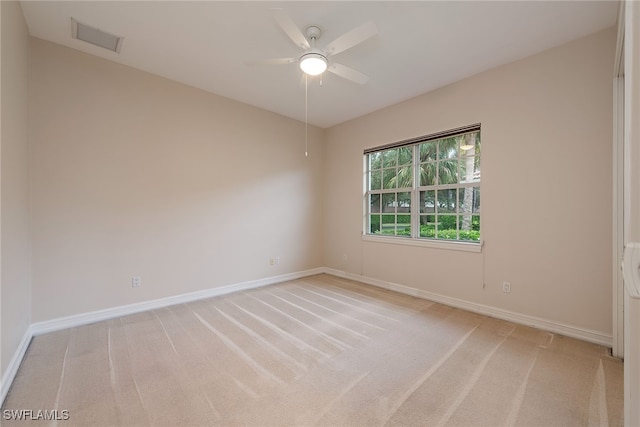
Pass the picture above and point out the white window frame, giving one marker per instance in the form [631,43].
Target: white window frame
[415,239]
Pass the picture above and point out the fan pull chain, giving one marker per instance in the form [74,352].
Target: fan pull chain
[306,116]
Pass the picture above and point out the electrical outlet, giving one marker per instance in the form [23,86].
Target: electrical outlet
[136,281]
[272,261]
[277,260]
[506,287]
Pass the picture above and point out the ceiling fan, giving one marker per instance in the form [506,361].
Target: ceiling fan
[313,60]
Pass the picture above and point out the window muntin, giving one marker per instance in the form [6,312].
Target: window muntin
[428,189]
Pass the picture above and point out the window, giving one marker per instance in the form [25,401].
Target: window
[427,188]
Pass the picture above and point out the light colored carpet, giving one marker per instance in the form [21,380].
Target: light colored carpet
[316,351]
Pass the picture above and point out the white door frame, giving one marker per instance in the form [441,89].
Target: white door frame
[619,170]
[629,45]
[619,241]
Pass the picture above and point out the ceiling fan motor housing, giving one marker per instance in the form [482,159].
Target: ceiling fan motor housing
[313,32]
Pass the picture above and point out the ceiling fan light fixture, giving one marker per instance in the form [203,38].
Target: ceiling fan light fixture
[313,63]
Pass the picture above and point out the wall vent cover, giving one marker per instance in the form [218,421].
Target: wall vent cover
[95,36]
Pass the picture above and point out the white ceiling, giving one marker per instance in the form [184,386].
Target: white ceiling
[421,45]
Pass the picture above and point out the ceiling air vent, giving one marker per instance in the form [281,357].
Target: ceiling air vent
[95,36]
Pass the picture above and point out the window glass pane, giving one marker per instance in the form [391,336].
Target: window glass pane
[465,222]
[476,169]
[469,200]
[404,177]
[469,169]
[475,223]
[448,148]
[389,203]
[466,169]
[447,227]
[469,141]
[403,225]
[375,161]
[405,155]
[428,201]
[375,180]
[429,151]
[404,202]
[470,163]
[388,225]
[428,226]
[447,201]
[447,222]
[473,232]
[389,178]
[469,144]
[374,203]
[428,173]
[465,200]
[448,172]
[390,158]
[374,224]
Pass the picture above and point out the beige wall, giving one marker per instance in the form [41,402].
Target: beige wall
[546,187]
[136,175]
[15,279]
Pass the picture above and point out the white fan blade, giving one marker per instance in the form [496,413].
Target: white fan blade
[348,73]
[272,61]
[352,38]
[290,29]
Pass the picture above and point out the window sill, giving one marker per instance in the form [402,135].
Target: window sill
[475,247]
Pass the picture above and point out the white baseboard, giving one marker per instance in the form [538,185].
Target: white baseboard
[124,310]
[523,319]
[110,313]
[14,364]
